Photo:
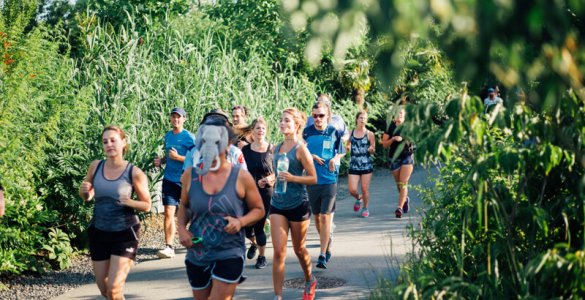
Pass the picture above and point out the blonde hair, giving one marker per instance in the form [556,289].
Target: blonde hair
[299,118]
[248,129]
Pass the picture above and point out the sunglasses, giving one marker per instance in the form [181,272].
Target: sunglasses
[319,116]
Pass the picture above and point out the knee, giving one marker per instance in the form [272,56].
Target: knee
[353,191]
[279,255]
[300,251]
[400,185]
[323,218]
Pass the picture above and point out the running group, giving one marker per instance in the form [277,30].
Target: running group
[226,183]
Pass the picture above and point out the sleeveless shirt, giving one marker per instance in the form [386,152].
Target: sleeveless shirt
[296,193]
[207,221]
[108,215]
[360,159]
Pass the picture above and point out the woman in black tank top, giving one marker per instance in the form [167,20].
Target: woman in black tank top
[112,252]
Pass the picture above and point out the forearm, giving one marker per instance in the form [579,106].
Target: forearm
[182,219]
[142,206]
[253,216]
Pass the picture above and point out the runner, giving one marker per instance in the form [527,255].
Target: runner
[326,147]
[177,142]
[290,210]
[212,203]
[361,144]
[239,119]
[258,156]
[401,161]
[114,229]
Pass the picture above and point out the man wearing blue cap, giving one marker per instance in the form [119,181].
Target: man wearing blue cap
[177,142]
[492,100]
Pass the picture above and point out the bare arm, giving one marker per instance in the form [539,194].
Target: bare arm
[387,140]
[182,218]
[247,190]
[372,141]
[86,191]
[140,185]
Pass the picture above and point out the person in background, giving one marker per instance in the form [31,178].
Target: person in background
[1,201]
[291,211]
[240,122]
[258,156]
[114,229]
[401,161]
[212,204]
[336,121]
[492,100]
[361,145]
[326,147]
[177,143]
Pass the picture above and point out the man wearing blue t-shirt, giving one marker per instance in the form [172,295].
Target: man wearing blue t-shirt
[326,147]
[177,142]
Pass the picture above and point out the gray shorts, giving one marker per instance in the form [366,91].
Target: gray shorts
[322,198]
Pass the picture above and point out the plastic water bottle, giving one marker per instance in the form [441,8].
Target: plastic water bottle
[327,152]
[281,166]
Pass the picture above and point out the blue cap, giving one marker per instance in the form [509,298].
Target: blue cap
[181,112]
[490,90]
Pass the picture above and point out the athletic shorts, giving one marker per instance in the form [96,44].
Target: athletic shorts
[360,172]
[297,214]
[409,160]
[104,244]
[228,270]
[322,198]
[171,193]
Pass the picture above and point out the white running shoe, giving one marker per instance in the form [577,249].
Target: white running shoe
[167,252]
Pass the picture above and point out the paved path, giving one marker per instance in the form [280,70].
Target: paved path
[364,249]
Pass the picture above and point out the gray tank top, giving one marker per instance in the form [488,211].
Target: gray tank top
[207,213]
[296,193]
[108,215]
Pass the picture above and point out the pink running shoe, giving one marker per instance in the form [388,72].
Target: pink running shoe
[358,204]
[365,213]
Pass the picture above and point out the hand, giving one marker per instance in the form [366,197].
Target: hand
[173,154]
[86,187]
[125,200]
[397,138]
[371,149]
[234,225]
[157,161]
[286,176]
[242,144]
[332,165]
[318,159]
[185,237]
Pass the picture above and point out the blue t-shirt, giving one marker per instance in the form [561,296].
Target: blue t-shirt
[234,157]
[182,142]
[325,144]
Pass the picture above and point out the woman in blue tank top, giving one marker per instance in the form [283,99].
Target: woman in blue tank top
[291,210]
[212,204]
[115,228]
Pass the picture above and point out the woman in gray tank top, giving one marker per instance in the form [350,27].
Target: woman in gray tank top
[212,204]
[114,229]
[291,210]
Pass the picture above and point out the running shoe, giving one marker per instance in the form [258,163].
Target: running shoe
[398,212]
[406,206]
[261,262]
[251,251]
[167,252]
[309,291]
[358,204]
[322,262]
[365,213]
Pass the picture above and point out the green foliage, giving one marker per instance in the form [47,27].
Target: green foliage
[59,248]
